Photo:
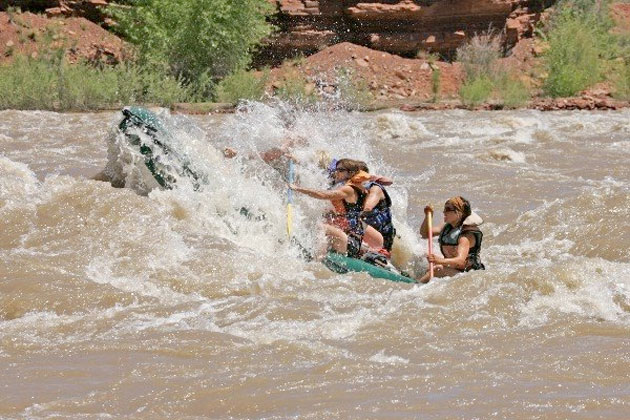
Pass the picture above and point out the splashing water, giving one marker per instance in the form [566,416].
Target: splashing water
[143,302]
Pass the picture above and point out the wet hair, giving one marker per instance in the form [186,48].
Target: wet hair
[352,166]
[363,166]
[323,159]
[461,205]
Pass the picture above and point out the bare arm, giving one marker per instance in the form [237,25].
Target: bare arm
[383,180]
[374,196]
[338,194]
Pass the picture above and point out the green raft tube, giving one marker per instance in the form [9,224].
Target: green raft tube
[343,264]
[164,163]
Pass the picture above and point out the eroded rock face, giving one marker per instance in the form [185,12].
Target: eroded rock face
[402,27]
[35,5]
[89,9]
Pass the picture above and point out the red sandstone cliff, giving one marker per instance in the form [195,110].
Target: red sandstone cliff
[402,27]
[89,9]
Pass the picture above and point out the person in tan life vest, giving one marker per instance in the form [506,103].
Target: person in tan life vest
[459,238]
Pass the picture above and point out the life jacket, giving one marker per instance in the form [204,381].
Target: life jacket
[449,236]
[380,217]
[353,210]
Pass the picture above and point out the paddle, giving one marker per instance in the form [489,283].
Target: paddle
[291,179]
[429,214]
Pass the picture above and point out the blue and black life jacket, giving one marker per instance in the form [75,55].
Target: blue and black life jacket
[449,236]
[353,210]
[380,217]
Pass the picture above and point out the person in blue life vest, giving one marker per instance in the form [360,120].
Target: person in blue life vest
[349,236]
[459,238]
[377,210]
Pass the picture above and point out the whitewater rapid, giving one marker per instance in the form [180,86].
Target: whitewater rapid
[129,303]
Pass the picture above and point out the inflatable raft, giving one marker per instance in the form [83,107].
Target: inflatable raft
[164,163]
[342,264]
[146,134]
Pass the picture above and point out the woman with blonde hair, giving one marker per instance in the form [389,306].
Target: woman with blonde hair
[459,238]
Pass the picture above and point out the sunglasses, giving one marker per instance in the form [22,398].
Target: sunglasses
[447,209]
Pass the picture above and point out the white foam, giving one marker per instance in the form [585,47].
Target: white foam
[18,184]
[400,128]
[190,234]
[592,290]
[380,357]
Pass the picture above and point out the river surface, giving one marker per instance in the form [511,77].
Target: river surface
[128,304]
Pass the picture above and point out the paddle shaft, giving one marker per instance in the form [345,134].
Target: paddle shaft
[430,226]
[291,179]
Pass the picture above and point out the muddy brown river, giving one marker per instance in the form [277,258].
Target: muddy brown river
[126,303]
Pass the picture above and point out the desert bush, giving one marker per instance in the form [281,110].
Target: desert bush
[55,84]
[296,90]
[580,43]
[512,91]
[436,83]
[479,58]
[27,84]
[354,92]
[242,85]
[195,40]
[486,78]
[622,81]
[572,60]
[479,55]
[476,91]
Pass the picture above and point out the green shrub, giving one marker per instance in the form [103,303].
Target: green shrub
[572,60]
[354,92]
[580,44]
[195,39]
[435,83]
[512,91]
[242,85]
[164,90]
[27,84]
[476,91]
[479,57]
[55,84]
[296,90]
[622,81]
